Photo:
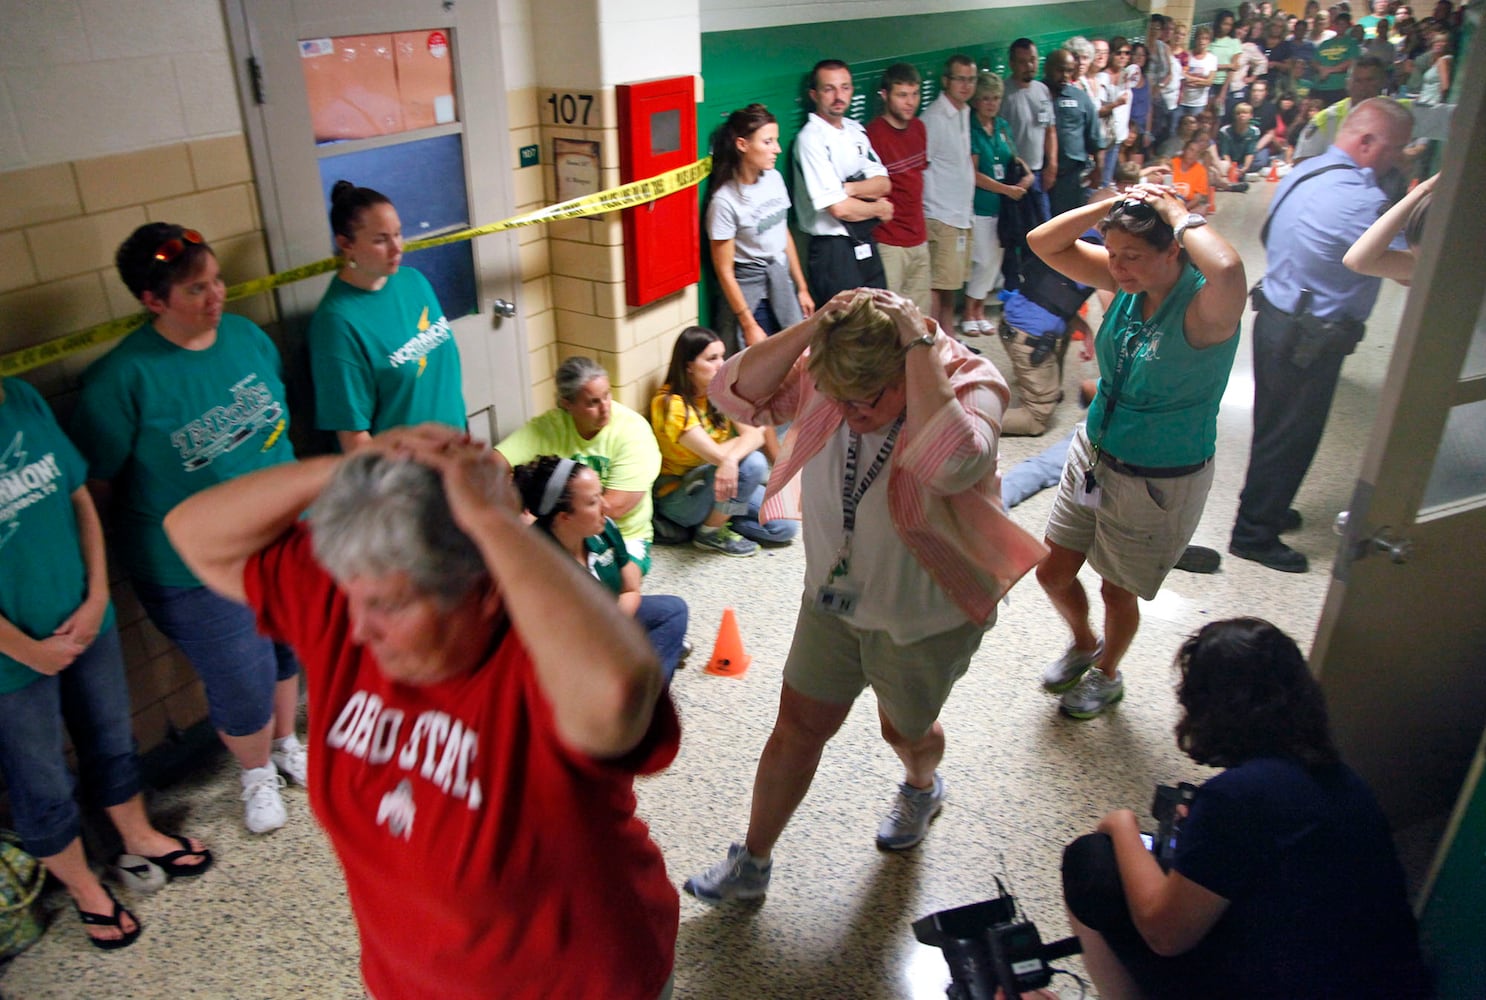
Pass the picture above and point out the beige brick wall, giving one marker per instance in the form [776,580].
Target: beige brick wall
[59,228]
[587,260]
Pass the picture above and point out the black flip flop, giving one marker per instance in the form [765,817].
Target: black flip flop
[114,920]
[171,863]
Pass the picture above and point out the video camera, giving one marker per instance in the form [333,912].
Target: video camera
[986,946]
[1168,820]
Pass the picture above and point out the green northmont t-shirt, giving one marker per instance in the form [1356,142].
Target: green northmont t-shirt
[43,577]
[163,423]
[385,358]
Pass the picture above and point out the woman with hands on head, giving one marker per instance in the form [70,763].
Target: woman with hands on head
[470,691]
[907,548]
[1139,471]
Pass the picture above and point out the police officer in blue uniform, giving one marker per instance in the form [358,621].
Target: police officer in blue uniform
[1310,315]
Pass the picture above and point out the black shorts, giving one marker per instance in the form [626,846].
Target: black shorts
[834,267]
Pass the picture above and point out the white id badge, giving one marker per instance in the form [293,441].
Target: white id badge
[999,171]
[864,250]
[836,601]
[1087,497]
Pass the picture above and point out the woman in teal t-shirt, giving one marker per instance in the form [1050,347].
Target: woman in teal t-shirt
[567,500]
[58,644]
[992,151]
[381,352]
[1138,473]
[192,398]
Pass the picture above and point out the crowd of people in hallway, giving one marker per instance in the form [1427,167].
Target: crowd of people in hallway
[486,675]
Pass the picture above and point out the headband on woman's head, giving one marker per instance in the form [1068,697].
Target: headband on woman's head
[556,483]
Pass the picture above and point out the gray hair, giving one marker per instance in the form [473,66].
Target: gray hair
[576,372]
[1080,46]
[381,515]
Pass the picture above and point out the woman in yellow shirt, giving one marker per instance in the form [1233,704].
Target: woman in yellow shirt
[712,474]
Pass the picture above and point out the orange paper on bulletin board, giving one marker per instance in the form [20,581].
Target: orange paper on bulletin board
[425,78]
[351,85]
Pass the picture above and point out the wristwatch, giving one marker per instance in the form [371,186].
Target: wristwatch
[1192,221]
[927,340]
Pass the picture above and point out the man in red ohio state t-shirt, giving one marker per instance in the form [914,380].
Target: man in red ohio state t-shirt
[478,710]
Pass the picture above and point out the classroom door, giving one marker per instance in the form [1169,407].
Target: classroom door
[404,96]
[1401,646]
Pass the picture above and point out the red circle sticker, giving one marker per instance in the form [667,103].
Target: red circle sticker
[438,44]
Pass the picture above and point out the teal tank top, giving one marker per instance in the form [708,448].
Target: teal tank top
[1167,411]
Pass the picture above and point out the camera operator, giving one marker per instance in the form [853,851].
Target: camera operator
[1284,880]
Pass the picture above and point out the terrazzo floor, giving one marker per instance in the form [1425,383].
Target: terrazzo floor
[271,920]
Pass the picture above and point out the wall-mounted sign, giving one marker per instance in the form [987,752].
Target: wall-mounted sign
[576,162]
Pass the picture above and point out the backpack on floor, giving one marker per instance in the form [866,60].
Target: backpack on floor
[21,879]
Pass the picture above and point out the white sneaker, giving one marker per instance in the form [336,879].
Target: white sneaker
[292,758]
[264,809]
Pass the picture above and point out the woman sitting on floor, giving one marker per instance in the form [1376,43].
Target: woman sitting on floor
[711,474]
[567,500]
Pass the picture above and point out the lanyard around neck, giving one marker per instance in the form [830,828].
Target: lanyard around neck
[852,491]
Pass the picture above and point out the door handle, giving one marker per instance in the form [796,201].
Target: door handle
[1382,540]
[503,308]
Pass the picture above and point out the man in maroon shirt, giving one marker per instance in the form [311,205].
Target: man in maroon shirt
[900,140]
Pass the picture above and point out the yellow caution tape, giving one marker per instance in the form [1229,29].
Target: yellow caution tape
[624,196]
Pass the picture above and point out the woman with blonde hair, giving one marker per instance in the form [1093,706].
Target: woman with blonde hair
[907,548]
[993,153]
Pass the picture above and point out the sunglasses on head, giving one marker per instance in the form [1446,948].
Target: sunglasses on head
[175,246]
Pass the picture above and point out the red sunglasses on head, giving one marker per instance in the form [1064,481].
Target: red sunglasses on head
[174,247]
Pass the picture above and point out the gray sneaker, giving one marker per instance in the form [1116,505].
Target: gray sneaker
[1093,695]
[1065,671]
[908,820]
[738,876]
[724,540]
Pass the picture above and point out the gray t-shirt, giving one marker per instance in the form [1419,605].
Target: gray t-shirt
[1029,111]
[753,216]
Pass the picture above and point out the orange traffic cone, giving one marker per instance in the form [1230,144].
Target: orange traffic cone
[1274,171]
[728,658]
[1232,173]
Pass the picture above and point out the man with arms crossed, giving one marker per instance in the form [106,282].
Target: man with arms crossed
[839,184]
[899,137]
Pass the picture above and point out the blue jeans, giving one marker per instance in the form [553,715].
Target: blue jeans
[238,665]
[664,619]
[93,697]
[1033,475]
[689,503]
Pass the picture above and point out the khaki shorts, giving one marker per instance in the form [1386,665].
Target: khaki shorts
[949,255]
[1141,527]
[907,270]
[831,661]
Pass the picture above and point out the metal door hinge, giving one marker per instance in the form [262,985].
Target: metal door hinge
[255,80]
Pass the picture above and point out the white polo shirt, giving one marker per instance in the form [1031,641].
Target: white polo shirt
[949,181]
[825,157]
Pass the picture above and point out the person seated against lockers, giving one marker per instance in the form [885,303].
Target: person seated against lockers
[566,500]
[712,471]
[1284,881]
[590,427]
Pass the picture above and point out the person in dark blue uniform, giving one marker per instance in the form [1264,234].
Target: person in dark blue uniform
[1310,315]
